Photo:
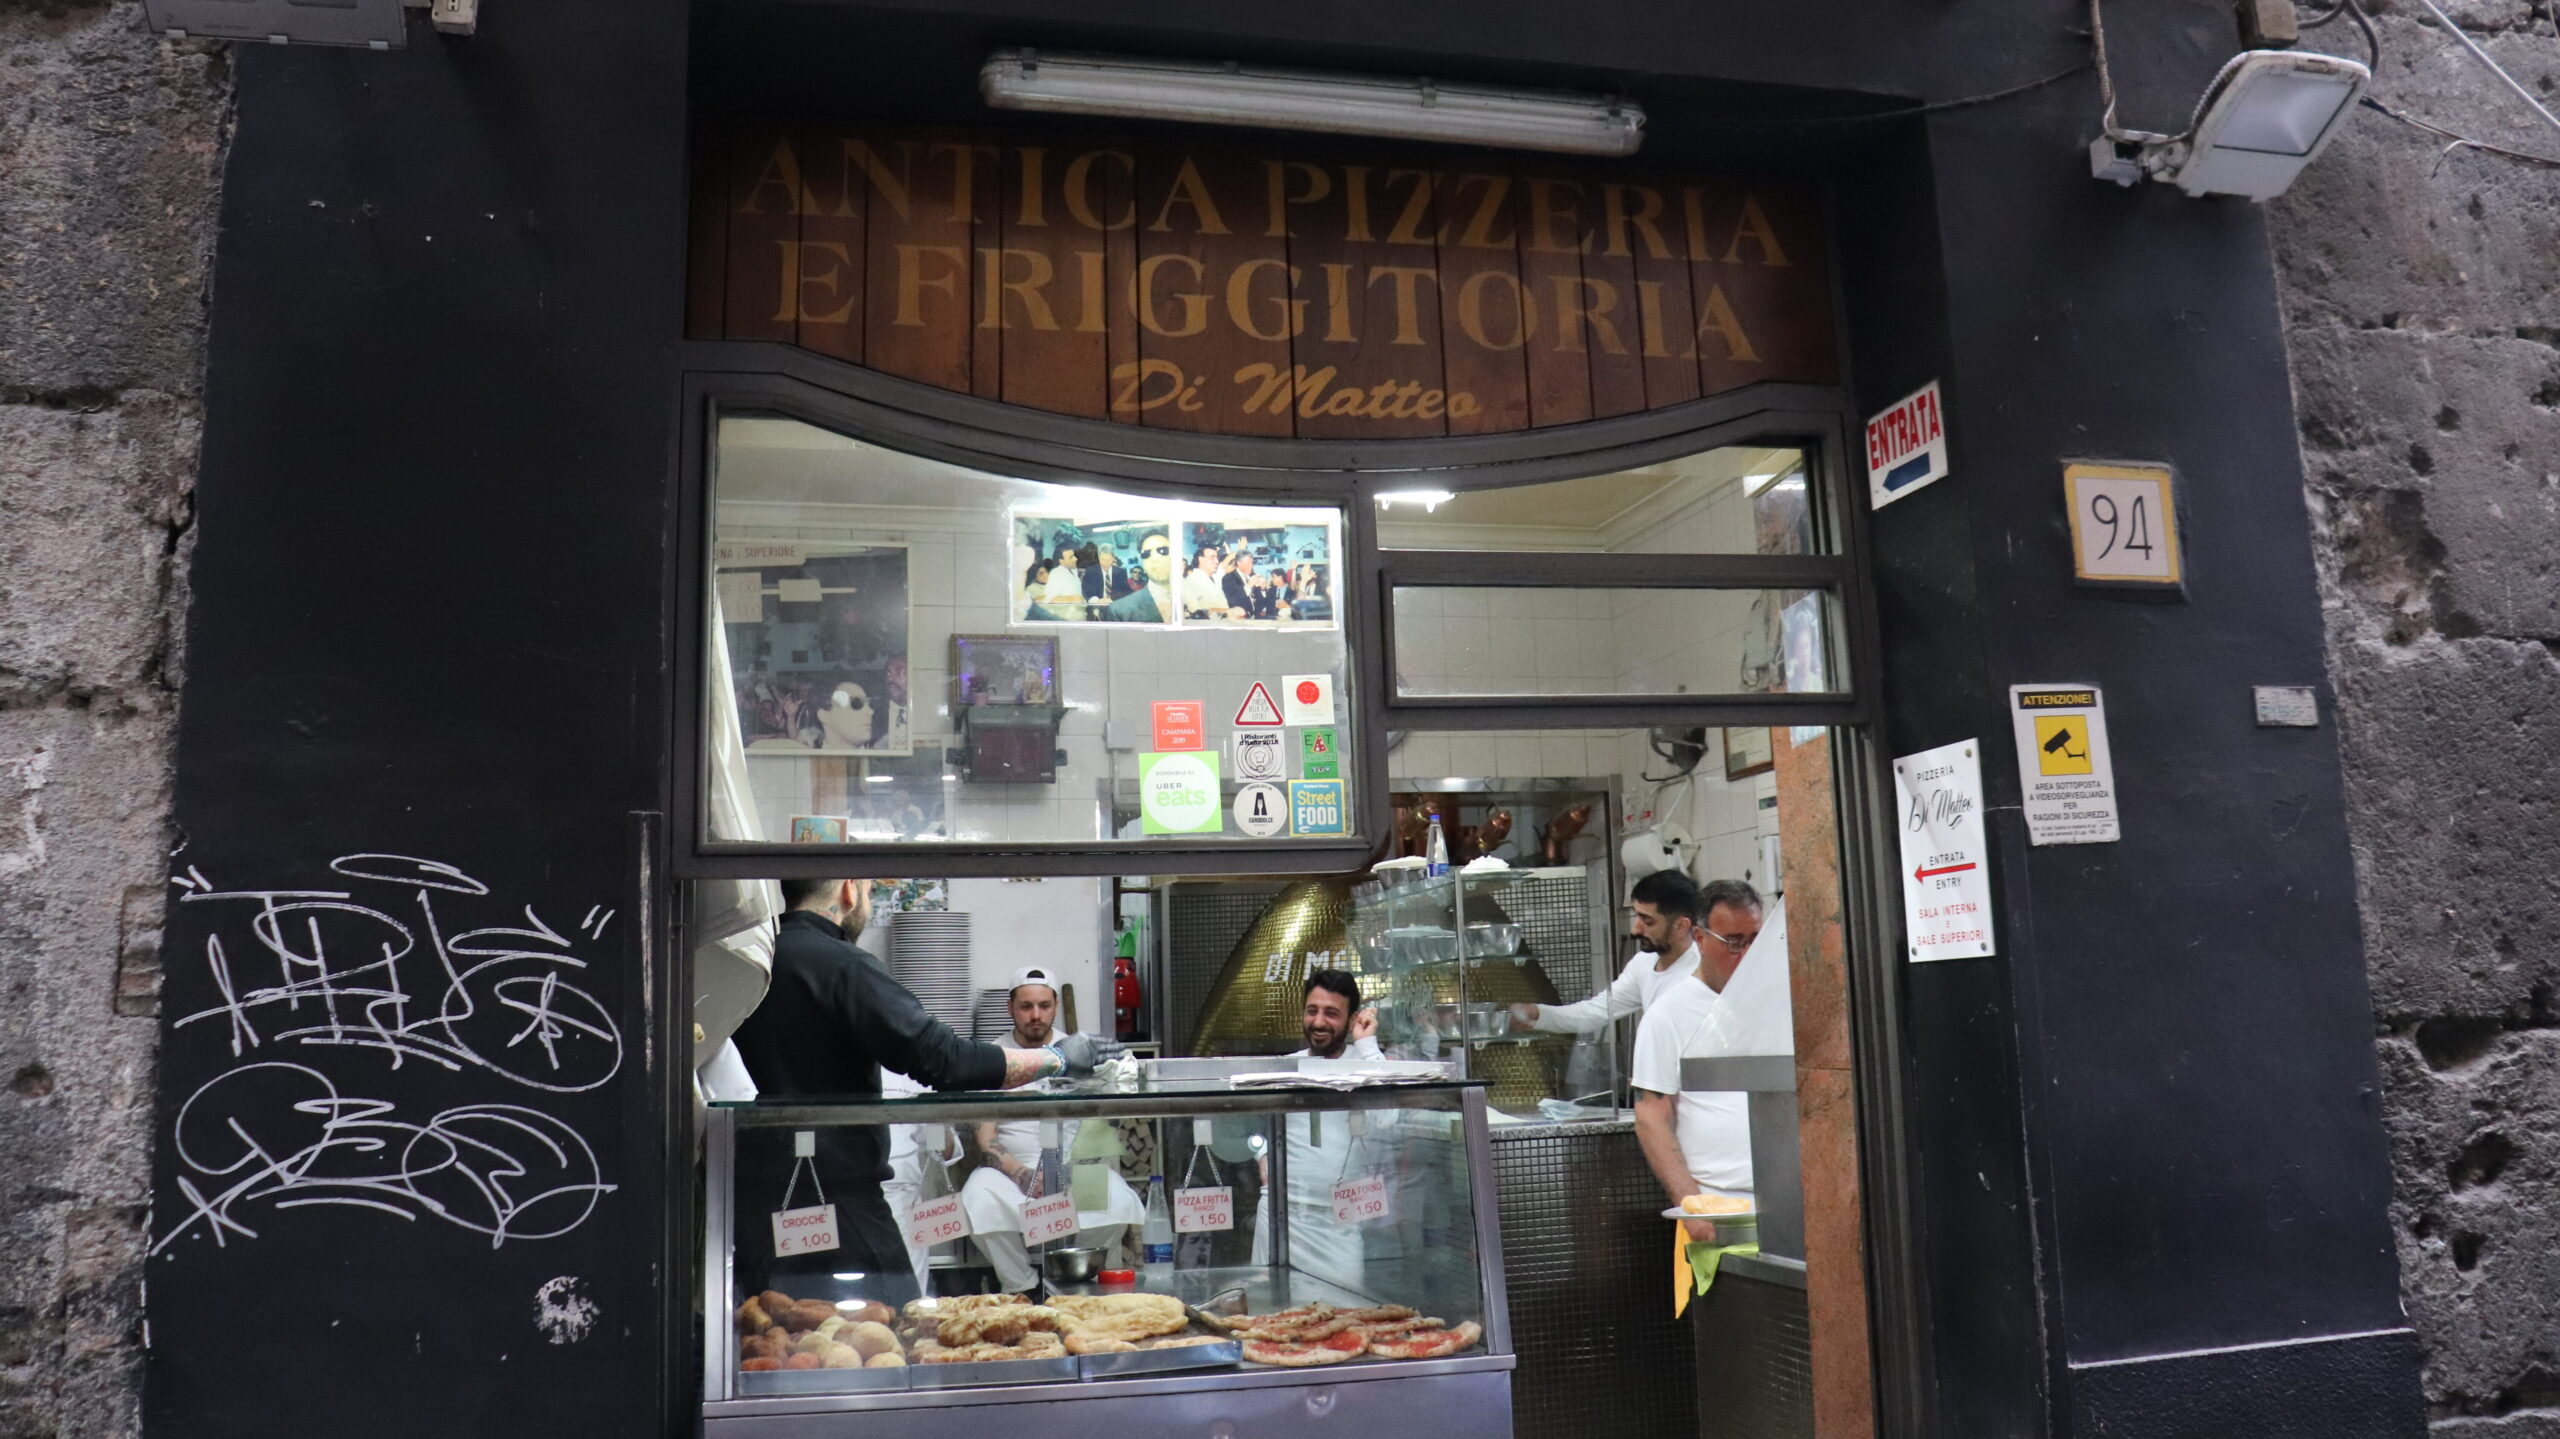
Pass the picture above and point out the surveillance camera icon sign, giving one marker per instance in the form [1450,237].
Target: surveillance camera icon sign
[2062,744]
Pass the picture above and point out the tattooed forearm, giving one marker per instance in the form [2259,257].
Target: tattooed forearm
[1021,1066]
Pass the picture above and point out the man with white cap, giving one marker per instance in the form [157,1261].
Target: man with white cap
[995,1191]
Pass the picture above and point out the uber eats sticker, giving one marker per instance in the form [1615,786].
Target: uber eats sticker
[1178,792]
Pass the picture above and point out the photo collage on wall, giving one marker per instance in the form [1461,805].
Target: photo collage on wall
[818,639]
[1240,570]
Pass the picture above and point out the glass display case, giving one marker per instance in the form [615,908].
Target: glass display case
[1335,1248]
[1452,953]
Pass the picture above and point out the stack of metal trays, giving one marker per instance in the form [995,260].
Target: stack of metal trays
[929,954]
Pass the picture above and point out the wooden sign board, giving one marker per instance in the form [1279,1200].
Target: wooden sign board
[1246,290]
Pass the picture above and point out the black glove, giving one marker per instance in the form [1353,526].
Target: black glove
[1082,1052]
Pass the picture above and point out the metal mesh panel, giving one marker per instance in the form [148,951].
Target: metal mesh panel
[1554,915]
[1755,1355]
[1202,924]
[1587,1261]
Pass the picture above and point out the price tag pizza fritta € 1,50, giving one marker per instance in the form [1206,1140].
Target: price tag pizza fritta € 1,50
[1204,1210]
[2066,777]
[1946,895]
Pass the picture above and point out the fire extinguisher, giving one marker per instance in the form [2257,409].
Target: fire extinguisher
[1124,987]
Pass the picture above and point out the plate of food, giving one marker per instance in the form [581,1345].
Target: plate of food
[1718,1207]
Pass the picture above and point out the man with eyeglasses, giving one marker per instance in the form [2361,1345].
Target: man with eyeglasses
[1700,1142]
[1152,603]
[1665,922]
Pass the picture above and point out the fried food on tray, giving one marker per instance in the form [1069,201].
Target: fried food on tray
[1125,1317]
[1427,1343]
[1287,1355]
[1079,1344]
[999,1324]
[1714,1204]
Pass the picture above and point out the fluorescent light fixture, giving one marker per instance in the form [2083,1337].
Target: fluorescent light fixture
[1430,500]
[1343,104]
[2267,115]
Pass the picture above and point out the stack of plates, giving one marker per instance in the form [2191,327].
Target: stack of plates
[929,954]
[992,1016]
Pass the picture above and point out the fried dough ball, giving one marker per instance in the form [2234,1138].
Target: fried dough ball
[885,1361]
[801,1361]
[866,1311]
[759,1365]
[752,1318]
[871,1337]
[841,1356]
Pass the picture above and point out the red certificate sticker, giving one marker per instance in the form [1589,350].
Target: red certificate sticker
[1180,725]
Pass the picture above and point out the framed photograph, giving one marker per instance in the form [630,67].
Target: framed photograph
[1242,573]
[1747,752]
[1092,570]
[817,638]
[820,828]
[905,896]
[1004,669]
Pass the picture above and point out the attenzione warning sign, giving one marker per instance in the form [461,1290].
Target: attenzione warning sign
[2066,782]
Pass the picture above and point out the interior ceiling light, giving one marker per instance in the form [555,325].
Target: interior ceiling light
[2265,117]
[1430,500]
[1234,94]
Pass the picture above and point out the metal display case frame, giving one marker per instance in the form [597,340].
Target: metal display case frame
[1463,1395]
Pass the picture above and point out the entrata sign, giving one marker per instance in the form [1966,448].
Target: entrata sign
[1906,447]
[1245,289]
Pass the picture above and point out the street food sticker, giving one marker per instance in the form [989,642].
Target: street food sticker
[1316,807]
[1204,1210]
[2066,778]
[1322,754]
[1307,699]
[937,1221]
[1362,1200]
[1259,755]
[1258,708]
[1180,724]
[810,1230]
[1045,1221]
[1261,811]
[1178,793]
[1946,895]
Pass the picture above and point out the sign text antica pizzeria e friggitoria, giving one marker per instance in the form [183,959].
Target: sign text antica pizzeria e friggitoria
[1303,289]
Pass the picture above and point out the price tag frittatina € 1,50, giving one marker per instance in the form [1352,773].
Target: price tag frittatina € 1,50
[1358,1201]
[1203,1210]
[804,1231]
[937,1221]
[1049,1219]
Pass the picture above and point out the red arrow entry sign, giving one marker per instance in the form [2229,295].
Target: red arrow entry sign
[1950,869]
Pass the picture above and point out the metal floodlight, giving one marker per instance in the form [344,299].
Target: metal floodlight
[2266,116]
[1233,94]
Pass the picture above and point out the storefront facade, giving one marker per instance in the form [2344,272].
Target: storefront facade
[473,319]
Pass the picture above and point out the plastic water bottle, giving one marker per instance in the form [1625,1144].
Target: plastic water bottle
[1155,1237]
[1435,850]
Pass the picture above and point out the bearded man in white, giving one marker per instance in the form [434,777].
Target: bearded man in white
[995,1191]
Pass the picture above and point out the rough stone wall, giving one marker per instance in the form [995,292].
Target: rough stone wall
[111,142]
[2422,295]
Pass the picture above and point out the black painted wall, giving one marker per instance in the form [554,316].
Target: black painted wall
[429,622]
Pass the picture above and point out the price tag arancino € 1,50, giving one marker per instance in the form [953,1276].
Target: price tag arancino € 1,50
[937,1221]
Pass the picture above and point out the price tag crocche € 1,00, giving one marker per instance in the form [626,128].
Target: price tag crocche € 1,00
[1358,1201]
[1204,1210]
[937,1221]
[1048,1219]
[811,1230]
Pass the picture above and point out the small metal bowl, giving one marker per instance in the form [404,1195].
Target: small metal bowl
[1072,1266]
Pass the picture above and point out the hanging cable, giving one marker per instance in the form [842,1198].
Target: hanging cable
[2461,141]
[2482,56]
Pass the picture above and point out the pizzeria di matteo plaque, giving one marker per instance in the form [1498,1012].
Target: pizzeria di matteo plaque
[1245,290]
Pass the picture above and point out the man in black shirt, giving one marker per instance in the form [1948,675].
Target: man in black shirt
[832,1018]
